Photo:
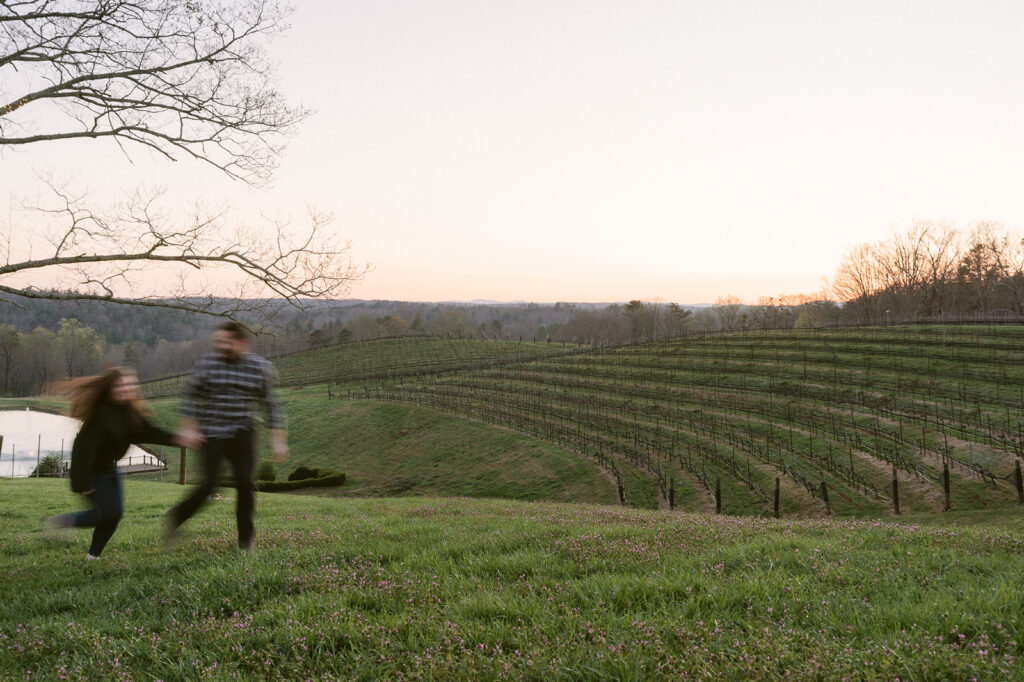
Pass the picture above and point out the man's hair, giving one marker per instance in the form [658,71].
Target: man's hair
[235,329]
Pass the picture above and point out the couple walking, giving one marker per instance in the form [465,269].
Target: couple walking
[216,418]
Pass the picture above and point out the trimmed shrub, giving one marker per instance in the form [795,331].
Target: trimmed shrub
[333,478]
[266,471]
[303,472]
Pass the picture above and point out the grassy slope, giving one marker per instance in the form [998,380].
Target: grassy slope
[467,589]
[401,449]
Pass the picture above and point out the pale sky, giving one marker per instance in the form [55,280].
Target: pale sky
[605,151]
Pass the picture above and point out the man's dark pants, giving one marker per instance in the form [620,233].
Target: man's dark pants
[239,451]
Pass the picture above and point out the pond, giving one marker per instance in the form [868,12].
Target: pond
[28,436]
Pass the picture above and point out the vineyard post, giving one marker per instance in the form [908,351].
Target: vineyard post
[895,491]
[945,484]
[671,493]
[776,503]
[824,495]
[718,496]
[1016,471]
[181,468]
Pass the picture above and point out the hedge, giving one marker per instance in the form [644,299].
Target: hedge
[332,478]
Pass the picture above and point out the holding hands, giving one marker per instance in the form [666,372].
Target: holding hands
[189,438]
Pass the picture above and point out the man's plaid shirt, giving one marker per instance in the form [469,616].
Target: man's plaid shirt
[221,393]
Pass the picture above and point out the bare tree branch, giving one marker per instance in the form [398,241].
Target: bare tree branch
[182,77]
[106,255]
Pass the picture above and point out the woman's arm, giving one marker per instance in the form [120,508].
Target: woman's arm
[151,433]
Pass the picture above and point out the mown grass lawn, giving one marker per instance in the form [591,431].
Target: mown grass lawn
[422,588]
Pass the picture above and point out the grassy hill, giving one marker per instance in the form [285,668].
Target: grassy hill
[416,588]
[388,449]
[828,418]
[836,414]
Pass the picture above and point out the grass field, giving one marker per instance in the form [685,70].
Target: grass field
[387,449]
[829,418]
[452,589]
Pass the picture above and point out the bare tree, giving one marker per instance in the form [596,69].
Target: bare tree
[182,77]
[100,254]
[942,256]
[187,79]
[729,311]
[1009,262]
[858,281]
[979,266]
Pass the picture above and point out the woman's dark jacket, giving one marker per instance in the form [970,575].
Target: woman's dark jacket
[105,438]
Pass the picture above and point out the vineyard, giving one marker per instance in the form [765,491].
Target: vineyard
[829,418]
[807,422]
[349,364]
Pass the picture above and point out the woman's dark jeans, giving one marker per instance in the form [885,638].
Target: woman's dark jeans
[105,514]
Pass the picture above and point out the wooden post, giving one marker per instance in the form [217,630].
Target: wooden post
[39,447]
[181,468]
[718,496]
[895,491]
[776,506]
[945,485]
[671,493]
[824,496]
[1016,471]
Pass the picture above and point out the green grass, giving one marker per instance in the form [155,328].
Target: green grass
[450,589]
[406,450]
[389,449]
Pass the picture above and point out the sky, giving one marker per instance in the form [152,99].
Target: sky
[607,151]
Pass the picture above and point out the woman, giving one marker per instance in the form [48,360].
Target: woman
[113,417]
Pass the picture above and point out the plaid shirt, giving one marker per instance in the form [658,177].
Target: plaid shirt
[221,392]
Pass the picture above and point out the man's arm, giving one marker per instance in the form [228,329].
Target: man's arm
[279,445]
[275,415]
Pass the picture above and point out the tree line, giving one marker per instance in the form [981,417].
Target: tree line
[934,272]
[930,272]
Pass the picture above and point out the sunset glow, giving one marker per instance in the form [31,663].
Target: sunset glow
[599,151]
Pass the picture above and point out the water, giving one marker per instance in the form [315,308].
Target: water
[28,434]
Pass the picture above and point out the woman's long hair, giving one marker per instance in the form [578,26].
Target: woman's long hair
[87,393]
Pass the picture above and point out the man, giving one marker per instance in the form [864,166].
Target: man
[217,406]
